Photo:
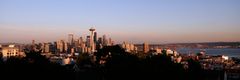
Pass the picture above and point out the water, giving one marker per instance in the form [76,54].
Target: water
[231,52]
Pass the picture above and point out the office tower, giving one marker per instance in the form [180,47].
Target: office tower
[132,47]
[124,45]
[76,43]
[70,39]
[105,41]
[92,45]
[82,46]
[33,46]
[54,47]
[46,48]
[95,37]
[80,40]
[100,41]
[60,46]
[65,48]
[88,41]
[145,47]
[110,42]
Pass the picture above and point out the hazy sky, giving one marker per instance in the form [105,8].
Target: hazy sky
[136,21]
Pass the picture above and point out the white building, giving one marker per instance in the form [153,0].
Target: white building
[10,50]
[225,57]
[129,47]
[169,51]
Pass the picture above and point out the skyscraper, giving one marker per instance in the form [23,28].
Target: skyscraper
[65,46]
[80,40]
[110,42]
[95,37]
[60,46]
[105,41]
[33,46]
[46,48]
[100,41]
[92,45]
[70,39]
[145,47]
[88,41]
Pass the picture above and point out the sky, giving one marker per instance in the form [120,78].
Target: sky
[134,21]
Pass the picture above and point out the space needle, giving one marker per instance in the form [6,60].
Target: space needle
[91,39]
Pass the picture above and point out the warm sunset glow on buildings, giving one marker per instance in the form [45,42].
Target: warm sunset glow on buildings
[130,39]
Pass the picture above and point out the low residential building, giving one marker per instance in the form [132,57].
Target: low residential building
[10,50]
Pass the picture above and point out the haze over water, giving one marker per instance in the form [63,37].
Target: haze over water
[231,52]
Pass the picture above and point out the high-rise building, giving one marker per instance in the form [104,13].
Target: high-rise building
[59,46]
[80,40]
[52,47]
[92,44]
[95,37]
[105,41]
[46,48]
[110,42]
[88,41]
[100,40]
[33,46]
[62,46]
[76,43]
[65,47]
[129,47]
[145,47]
[70,39]
[83,46]
[99,43]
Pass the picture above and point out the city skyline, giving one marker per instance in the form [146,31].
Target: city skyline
[133,21]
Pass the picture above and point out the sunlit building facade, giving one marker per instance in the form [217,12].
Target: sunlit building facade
[145,47]
[10,50]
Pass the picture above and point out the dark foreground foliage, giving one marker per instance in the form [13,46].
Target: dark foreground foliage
[120,65]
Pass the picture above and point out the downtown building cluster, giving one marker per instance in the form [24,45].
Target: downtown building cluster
[61,49]
[66,52]
[75,45]
[80,45]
